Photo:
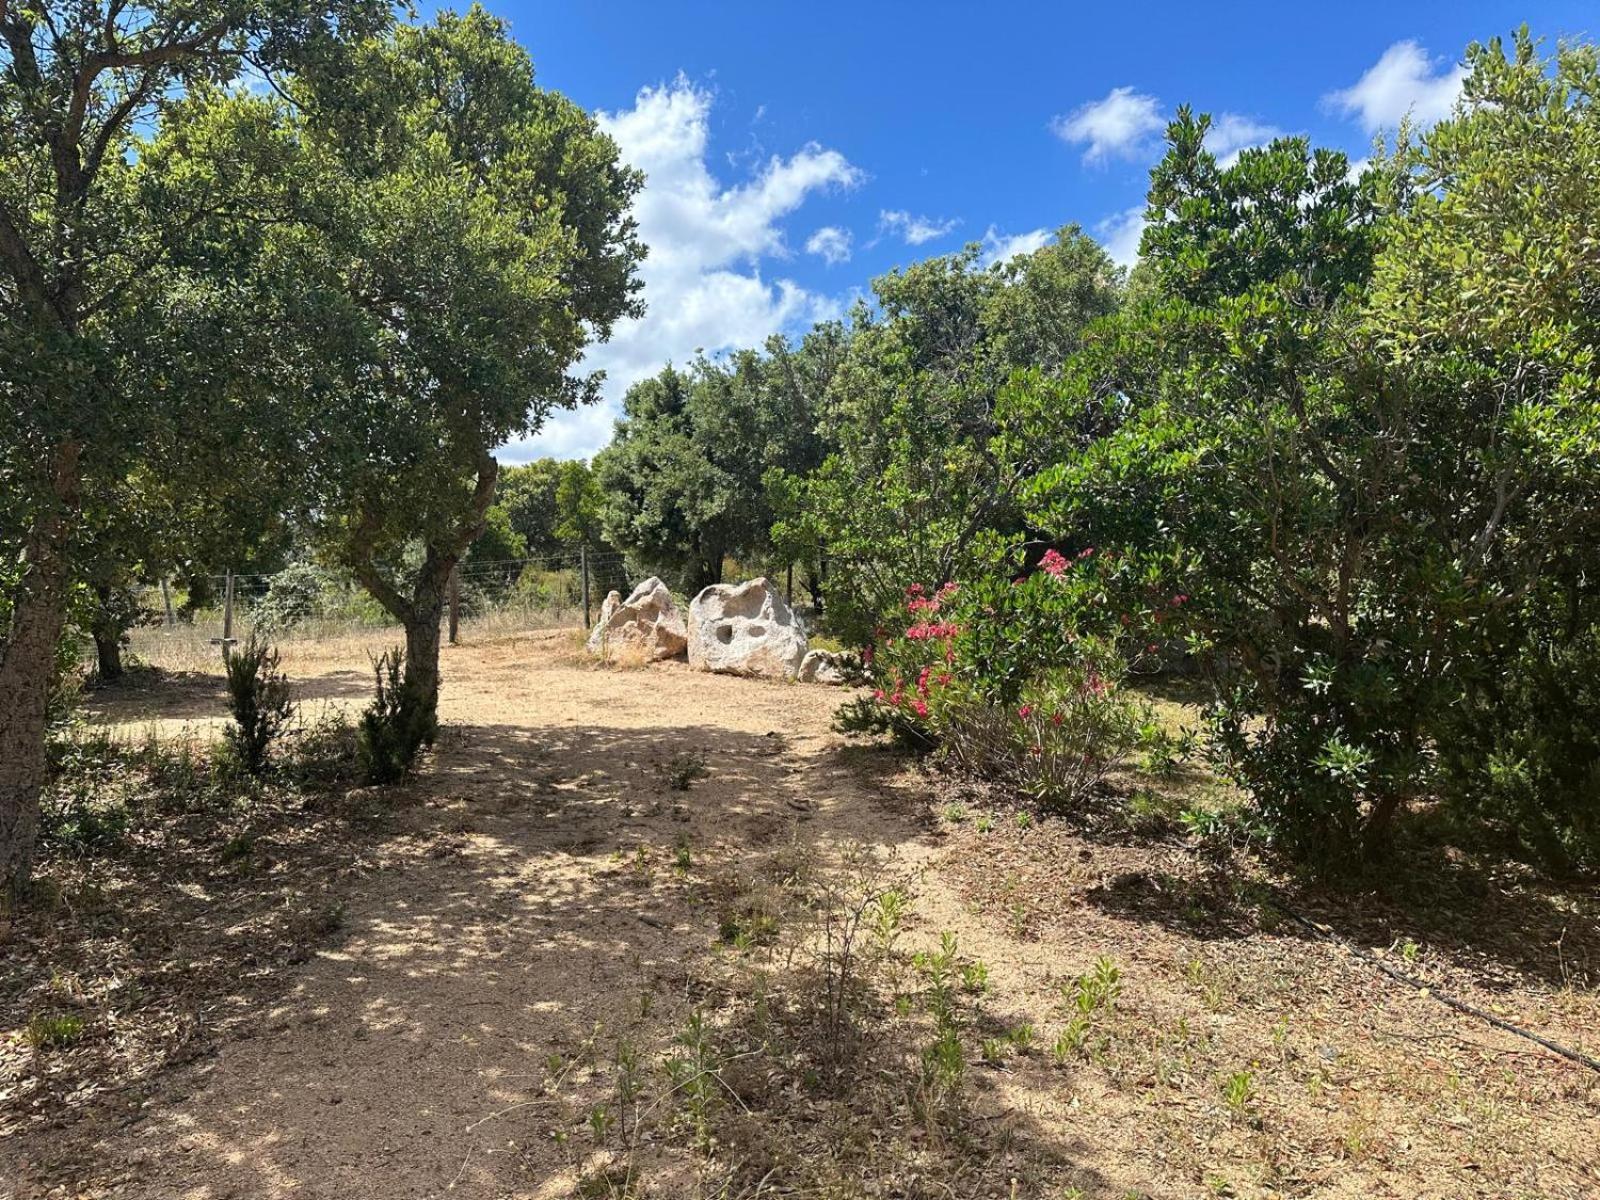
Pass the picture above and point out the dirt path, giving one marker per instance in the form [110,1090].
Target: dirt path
[548,899]
[546,908]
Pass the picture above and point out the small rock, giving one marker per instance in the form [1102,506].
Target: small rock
[821,666]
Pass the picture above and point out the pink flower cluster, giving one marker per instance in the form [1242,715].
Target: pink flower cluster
[1056,563]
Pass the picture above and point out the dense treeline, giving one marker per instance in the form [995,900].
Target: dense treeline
[1334,447]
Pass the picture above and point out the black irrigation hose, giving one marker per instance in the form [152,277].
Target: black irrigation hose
[1423,986]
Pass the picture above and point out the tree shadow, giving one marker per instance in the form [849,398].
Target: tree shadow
[1504,923]
[532,900]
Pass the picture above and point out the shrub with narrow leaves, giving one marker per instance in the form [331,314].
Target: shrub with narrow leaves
[258,698]
[999,680]
[395,726]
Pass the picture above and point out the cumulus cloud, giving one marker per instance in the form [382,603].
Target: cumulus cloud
[703,284]
[915,230]
[1404,82]
[1121,125]
[1003,247]
[1231,135]
[831,244]
[1120,234]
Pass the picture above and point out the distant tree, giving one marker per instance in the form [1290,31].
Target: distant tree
[911,482]
[527,495]
[685,476]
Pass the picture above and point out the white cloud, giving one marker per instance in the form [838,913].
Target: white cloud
[1231,134]
[1404,82]
[1002,247]
[1120,234]
[831,244]
[915,230]
[1120,125]
[703,285]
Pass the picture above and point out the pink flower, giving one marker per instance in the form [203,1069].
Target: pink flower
[914,590]
[1053,562]
[921,707]
[1025,711]
[878,695]
[1055,719]
[922,680]
[1085,553]
[1151,648]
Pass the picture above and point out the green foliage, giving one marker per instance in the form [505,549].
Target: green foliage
[1004,680]
[395,726]
[1523,749]
[258,699]
[1254,491]
[684,479]
[911,479]
[54,1031]
[294,595]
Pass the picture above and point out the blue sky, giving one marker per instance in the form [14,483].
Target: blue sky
[796,151]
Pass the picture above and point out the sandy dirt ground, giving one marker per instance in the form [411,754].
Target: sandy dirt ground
[479,952]
[527,907]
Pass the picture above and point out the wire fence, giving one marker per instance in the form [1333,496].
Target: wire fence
[306,602]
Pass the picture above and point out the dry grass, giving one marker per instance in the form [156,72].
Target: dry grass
[596,982]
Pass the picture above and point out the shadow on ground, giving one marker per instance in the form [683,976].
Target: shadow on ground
[508,920]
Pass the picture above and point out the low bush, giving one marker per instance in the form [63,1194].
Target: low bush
[394,727]
[1523,750]
[999,680]
[258,698]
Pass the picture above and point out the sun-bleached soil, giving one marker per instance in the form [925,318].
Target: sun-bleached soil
[432,993]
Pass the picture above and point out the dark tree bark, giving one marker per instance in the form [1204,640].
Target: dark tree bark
[107,633]
[27,673]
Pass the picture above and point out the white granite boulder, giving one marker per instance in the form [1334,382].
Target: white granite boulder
[821,666]
[647,620]
[745,629]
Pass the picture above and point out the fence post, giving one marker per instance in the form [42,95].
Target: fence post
[788,586]
[455,603]
[166,602]
[583,568]
[226,640]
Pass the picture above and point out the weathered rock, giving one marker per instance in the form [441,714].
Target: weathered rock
[821,666]
[647,620]
[745,629]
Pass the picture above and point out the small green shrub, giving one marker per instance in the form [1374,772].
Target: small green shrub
[294,595]
[395,726]
[680,771]
[258,698]
[47,1032]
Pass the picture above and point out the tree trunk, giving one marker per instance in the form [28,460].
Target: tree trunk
[1379,824]
[107,632]
[27,673]
[107,654]
[422,619]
